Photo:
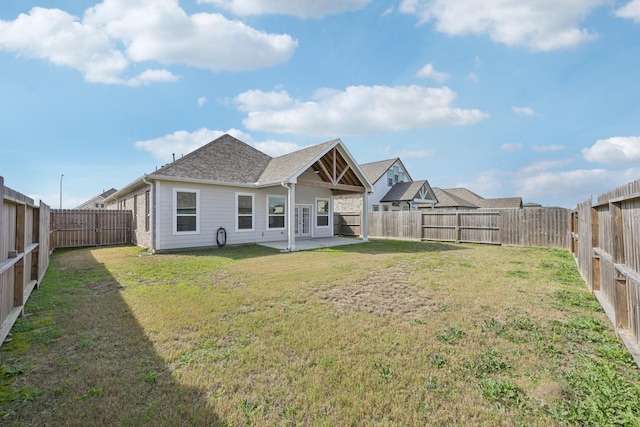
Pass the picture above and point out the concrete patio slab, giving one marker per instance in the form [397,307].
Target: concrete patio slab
[310,244]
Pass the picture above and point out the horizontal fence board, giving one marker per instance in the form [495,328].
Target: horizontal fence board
[24,252]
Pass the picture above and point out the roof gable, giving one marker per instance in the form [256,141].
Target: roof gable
[290,165]
[408,191]
[449,200]
[376,170]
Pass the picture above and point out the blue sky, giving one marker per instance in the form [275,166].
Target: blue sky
[530,98]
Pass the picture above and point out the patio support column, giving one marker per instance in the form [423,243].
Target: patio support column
[291,217]
[365,217]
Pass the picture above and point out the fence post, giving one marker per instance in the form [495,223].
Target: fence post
[457,227]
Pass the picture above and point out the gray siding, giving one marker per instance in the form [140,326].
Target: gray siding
[217,208]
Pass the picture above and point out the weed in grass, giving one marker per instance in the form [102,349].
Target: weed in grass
[547,265]
[600,396]
[92,392]
[443,306]
[249,409]
[451,335]
[502,392]
[383,370]
[486,363]
[616,353]
[437,360]
[568,274]
[415,322]
[569,298]
[431,383]
[465,264]
[150,376]
[521,274]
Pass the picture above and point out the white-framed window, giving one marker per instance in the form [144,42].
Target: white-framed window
[186,211]
[322,213]
[376,208]
[276,212]
[390,177]
[245,212]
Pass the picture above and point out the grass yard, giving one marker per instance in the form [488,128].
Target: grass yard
[384,333]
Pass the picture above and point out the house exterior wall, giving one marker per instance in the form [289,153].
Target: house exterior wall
[217,208]
[136,202]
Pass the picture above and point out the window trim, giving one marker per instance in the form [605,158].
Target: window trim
[175,211]
[284,214]
[328,214]
[253,213]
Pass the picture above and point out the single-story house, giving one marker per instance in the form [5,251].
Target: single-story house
[227,192]
[461,198]
[98,201]
[393,190]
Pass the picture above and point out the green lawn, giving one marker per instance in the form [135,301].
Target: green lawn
[383,333]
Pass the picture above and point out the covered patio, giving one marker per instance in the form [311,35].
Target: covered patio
[310,244]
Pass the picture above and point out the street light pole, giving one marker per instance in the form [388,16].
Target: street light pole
[61,176]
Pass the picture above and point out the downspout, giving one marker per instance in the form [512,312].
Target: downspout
[151,213]
[291,237]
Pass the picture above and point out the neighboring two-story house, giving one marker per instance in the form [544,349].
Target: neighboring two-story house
[393,190]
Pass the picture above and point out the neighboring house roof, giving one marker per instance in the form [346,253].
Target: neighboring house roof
[407,191]
[98,199]
[108,193]
[375,170]
[448,200]
[464,198]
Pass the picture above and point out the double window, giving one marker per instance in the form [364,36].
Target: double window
[276,212]
[245,212]
[186,209]
[322,212]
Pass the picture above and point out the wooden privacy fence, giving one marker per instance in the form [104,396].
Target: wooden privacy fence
[545,227]
[347,224]
[24,252]
[606,243]
[76,228]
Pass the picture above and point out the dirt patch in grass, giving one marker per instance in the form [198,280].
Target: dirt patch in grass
[384,291]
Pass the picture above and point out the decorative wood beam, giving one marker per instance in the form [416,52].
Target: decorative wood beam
[346,169]
[324,184]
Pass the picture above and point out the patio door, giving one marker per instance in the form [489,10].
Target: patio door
[303,220]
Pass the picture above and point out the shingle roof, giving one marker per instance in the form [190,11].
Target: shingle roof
[284,167]
[465,198]
[375,170]
[108,193]
[404,191]
[225,159]
[448,200]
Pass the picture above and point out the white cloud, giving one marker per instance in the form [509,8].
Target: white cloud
[544,165]
[357,110]
[428,71]
[614,151]
[201,101]
[472,77]
[568,188]
[116,33]
[414,154]
[547,148]
[511,147]
[276,148]
[631,11]
[182,142]
[534,24]
[524,111]
[299,8]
